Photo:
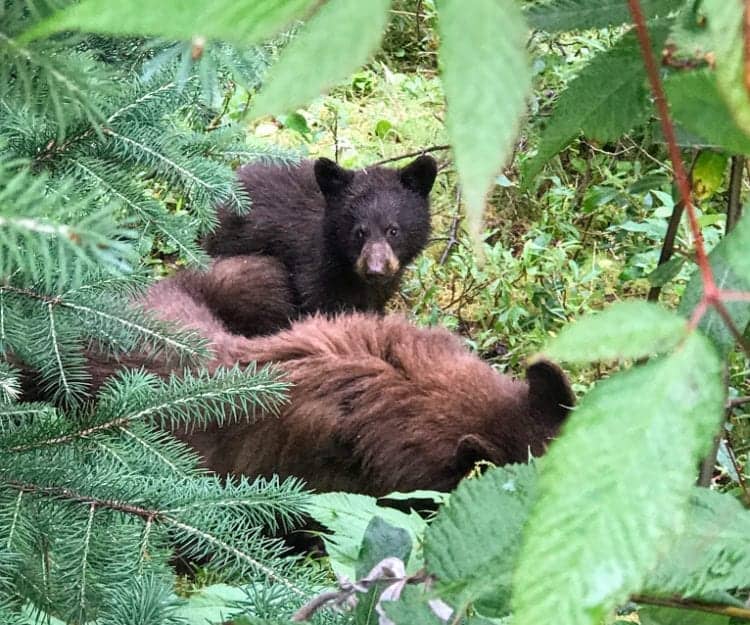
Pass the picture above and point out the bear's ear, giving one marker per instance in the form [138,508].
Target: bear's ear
[331,178]
[549,391]
[472,448]
[419,175]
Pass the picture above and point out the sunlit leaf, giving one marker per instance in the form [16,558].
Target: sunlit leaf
[580,558]
[630,329]
[607,99]
[239,21]
[486,77]
[333,43]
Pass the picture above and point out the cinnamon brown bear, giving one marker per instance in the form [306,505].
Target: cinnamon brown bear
[376,405]
[344,236]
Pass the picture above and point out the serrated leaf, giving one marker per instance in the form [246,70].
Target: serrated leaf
[332,44]
[382,540]
[730,262]
[601,519]
[629,329]
[697,106]
[489,511]
[725,26]
[486,77]
[608,98]
[238,21]
[711,555]
[654,615]
[347,515]
[667,271]
[560,15]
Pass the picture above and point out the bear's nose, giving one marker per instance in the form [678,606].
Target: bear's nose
[376,265]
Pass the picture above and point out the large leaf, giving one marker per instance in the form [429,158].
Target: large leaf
[578,14]
[630,329]
[486,78]
[697,106]
[712,555]
[601,517]
[730,261]
[348,516]
[239,21]
[607,99]
[725,25]
[472,544]
[333,43]
[382,540]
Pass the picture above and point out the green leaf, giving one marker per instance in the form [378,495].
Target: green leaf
[712,555]
[212,604]
[601,518]
[698,107]
[708,173]
[607,99]
[725,21]
[560,15]
[731,265]
[337,40]
[629,329]
[382,540]
[654,615]
[667,271]
[411,608]
[486,78]
[348,516]
[491,512]
[239,21]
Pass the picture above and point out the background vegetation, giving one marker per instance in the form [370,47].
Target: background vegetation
[115,151]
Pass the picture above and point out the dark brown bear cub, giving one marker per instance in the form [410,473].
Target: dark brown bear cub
[344,236]
[378,405]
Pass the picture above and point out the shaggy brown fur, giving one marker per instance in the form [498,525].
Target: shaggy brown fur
[378,405]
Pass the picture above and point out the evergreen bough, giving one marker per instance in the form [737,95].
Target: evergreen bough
[104,157]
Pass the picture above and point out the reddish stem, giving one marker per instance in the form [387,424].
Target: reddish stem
[710,291]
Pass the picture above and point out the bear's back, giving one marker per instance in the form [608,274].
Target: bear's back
[376,405]
[285,214]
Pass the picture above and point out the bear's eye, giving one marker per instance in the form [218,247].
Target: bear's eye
[392,231]
[360,234]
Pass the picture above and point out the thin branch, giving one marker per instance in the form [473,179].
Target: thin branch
[738,401]
[729,322]
[667,248]
[710,291]
[70,495]
[434,148]
[734,205]
[738,471]
[453,231]
[692,604]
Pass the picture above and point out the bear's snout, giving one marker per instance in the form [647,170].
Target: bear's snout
[377,262]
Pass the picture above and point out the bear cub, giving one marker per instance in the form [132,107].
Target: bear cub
[344,236]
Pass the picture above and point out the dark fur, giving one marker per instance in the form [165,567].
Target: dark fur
[344,236]
[248,295]
[378,405]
